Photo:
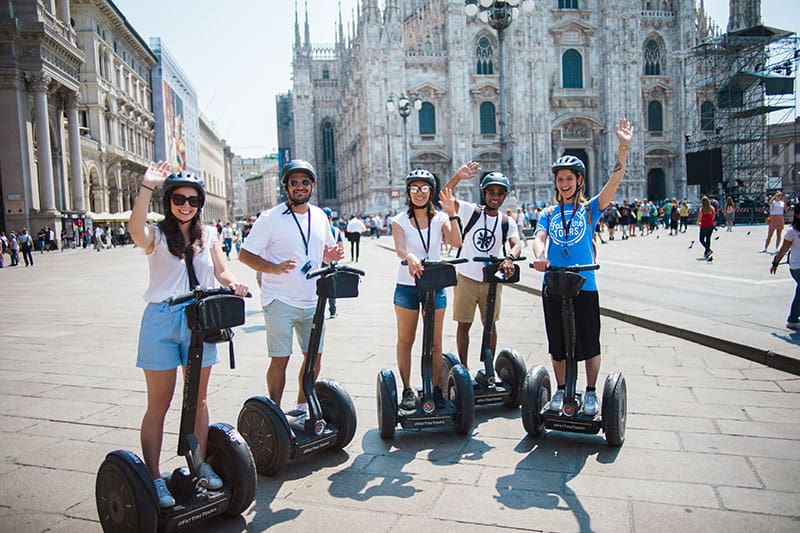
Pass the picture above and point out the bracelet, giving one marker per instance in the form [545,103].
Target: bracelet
[151,189]
[455,217]
[623,147]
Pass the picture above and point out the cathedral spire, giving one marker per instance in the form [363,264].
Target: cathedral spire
[744,14]
[307,43]
[341,28]
[391,11]
[296,28]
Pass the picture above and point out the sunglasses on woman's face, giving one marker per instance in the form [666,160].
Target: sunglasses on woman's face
[414,189]
[179,199]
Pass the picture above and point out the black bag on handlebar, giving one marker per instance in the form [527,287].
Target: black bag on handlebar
[561,284]
[436,276]
[489,272]
[216,315]
[340,284]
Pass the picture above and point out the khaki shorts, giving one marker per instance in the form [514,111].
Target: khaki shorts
[468,294]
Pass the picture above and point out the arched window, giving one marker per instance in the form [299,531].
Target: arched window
[655,120]
[707,116]
[326,74]
[427,119]
[652,58]
[488,125]
[328,161]
[484,55]
[568,4]
[572,69]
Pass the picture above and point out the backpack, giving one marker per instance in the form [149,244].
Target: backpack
[473,219]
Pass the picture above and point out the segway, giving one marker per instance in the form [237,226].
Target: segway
[330,423]
[459,410]
[565,283]
[124,491]
[506,385]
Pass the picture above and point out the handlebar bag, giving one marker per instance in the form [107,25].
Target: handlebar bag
[490,270]
[339,284]
[436,276]
[216,315]
[560,284]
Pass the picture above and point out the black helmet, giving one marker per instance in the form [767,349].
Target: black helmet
[298,165]
[420,174]
[495,178]
[183,179]
[570,162]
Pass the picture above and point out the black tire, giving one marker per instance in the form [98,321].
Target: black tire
[615,409]
[448,361]
[264,430]
[510,368]
[387,404]
[230,457]
[337,410]
[535,396]
[459,390]
[124,502]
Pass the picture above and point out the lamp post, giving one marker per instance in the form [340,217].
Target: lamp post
[499,14]
[403,106]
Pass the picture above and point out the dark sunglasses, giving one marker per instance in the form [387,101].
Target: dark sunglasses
[305,182]
[179,199]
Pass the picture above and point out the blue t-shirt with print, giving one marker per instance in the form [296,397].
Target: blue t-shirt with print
[575,248]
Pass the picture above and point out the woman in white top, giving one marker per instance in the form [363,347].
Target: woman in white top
[791,245]
[776,223]
[418,234]
[163,336]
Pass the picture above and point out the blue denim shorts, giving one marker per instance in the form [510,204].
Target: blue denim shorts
[164,338]
[408,297]
[281,320]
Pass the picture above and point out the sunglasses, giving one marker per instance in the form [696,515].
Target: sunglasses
[490,192]
[179,199]
[305,182]
[414,189]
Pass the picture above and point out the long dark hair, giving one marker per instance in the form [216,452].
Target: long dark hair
[171,228]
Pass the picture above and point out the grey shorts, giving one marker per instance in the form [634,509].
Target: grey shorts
[281,321]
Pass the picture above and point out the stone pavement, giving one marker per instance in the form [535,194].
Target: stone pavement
[711,441]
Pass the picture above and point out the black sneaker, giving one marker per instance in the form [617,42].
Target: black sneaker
[409,402]
[438,397]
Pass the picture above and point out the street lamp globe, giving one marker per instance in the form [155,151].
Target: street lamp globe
[486,3]
[471,9]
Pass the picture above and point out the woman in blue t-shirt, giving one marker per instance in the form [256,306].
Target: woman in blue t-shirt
[568,227]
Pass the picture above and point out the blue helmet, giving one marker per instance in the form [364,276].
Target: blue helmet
[328,212]
[495,178]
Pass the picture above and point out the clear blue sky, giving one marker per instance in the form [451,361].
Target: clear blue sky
[238,53]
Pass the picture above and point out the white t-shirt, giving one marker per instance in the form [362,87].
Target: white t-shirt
[776,207]
[168,275]
[485,238]
[793,236]
[414,243]
[277,236]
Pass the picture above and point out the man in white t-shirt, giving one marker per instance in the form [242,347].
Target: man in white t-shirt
[485,230]
[285,243]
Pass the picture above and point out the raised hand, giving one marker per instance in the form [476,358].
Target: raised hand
[624,132]
[448,201]
[468,170]
[156,174]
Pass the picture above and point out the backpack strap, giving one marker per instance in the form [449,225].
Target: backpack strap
[504,225]
[473,219]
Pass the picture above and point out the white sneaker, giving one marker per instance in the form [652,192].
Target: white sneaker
[165,498]
[557,401]
[590,403]
[214,481]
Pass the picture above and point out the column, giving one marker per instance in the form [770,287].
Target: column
[63,12]
[39,83]
[75,174]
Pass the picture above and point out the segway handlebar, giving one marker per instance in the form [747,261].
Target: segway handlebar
[333,267]
[572,268]
[495,259]
[200,293]
[456,261]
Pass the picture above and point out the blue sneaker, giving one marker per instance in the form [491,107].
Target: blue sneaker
[214,481]
[557,402]
[590,403]
[165,498]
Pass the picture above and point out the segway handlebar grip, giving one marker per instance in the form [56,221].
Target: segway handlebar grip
[495,259]
[204,292]
[455,261]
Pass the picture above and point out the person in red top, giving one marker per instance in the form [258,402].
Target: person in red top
[705,219]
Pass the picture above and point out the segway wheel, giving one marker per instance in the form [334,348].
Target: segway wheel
[459,390]
[387,404]
[337,409]
[615,408]
[535,396]
[263,428]
[230,457]
[124,502]
[511,370]
[448,361]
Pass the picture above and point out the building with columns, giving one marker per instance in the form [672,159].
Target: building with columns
[116,114]
[40,147]
[572,69]
[213,172]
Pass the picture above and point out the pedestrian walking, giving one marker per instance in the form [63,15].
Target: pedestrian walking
[706,219]
[777,206]
[26,247]
[180,240]
[285,243]
[791,245]
[730,213]
[355,227]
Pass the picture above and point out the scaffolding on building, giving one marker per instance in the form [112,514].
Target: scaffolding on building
[743,81]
